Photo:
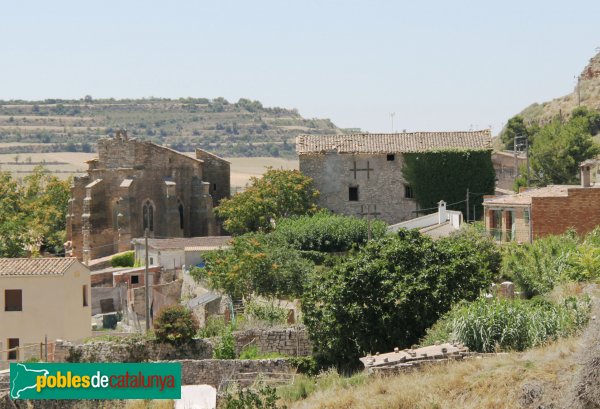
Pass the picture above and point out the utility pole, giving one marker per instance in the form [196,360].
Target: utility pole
[527,157]
[369,222]
[467,205]
[579,90]
[392,115]
[146,284]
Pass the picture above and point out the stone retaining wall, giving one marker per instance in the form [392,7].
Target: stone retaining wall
[286,341]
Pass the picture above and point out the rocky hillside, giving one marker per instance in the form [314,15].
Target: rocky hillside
[589,92]
[242,128]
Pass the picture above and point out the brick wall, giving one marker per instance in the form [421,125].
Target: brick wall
[554,215]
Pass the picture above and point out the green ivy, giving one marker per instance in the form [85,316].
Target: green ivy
[446,175]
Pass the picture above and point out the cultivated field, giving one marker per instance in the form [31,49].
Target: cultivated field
[65,164]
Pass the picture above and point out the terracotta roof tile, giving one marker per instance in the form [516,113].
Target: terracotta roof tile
[34,266]
[524,198]
[394,143]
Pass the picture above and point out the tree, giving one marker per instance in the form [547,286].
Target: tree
[32,213]
[392,291]
[175,325]
[514,128]
[558,149]
[255,264]
[279,193]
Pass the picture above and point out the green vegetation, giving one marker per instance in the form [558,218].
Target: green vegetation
[126,259]
[278,194]
[255,264]
[225,347]
[252,352]
[304,386]
[326,232]
[245,128]
[537,267]
[263,398]
[391,291]
[488,325]
[33,214]
[270,313]
[435,176]
[558,148]
[175,325]
[516,128]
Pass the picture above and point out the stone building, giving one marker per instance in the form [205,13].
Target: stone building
[361,174]
[137,185]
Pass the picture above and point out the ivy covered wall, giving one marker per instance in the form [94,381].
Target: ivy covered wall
[446,175]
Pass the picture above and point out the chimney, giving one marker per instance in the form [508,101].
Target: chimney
[586,178]
[442,215]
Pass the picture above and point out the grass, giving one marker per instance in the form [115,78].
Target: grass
[495,382]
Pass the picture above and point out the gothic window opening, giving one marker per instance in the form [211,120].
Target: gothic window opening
[181,216]
[148,215]
[408,192]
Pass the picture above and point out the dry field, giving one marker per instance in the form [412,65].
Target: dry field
[74,163]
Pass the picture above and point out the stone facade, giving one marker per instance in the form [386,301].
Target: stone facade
[285,341]
[378,183]
[135,185]
[361,174]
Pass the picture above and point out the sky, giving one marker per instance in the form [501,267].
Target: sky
[438,65]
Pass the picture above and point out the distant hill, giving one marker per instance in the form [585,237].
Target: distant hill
[243,128]
[589,89]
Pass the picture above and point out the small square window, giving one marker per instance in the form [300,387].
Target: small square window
[391,157]
[13,300]
[353,194]
[135,279]
[408,193]
[151,261]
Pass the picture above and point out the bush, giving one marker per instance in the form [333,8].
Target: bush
[225,348]
[175,325]
[214,326]
[264,398]
[391,291]
[326,232]
[252,352]
[487,325]
[126,259]
[268,313]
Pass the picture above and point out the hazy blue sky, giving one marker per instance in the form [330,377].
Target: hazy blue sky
[437,64]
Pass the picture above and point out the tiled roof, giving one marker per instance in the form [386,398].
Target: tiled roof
[202,243]
[524,198]
[394,143]
[34,266]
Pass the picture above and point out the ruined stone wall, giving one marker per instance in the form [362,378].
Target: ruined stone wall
[284,341]
[382,185]
[217,172]
[133,172]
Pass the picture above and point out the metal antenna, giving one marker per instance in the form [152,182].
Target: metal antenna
[392,115]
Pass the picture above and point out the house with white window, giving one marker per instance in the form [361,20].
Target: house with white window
[41,298]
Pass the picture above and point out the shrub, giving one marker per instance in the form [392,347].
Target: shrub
[175,325]
[391,291]
[264,398]
[214,326]
[326,232]
[486,325]
[126,259]
[253,352]
[225,348]
[269,313]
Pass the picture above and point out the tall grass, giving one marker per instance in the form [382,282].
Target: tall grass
[488,325]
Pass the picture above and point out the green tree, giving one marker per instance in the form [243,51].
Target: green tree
[279,193]
[558,149]
[391,292]
[516,128]
[255,264]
